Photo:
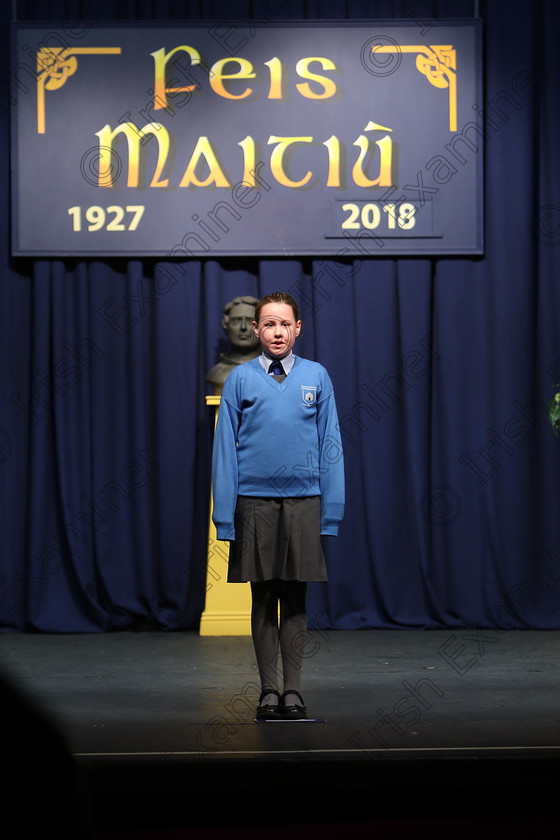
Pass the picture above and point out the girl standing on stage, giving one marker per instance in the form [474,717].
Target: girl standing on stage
[278,485]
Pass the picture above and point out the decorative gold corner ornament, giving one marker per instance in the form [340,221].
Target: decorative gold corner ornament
[438,63]
[54,66]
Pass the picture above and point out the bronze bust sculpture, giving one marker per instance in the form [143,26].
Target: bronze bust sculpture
[237,321]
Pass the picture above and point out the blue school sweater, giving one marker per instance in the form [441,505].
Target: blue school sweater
[277,439]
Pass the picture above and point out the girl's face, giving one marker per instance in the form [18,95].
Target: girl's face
[277,329]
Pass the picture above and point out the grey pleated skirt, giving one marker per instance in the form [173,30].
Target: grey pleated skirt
[277,539]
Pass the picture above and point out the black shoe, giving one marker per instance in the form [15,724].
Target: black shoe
[269,711]
[295,712]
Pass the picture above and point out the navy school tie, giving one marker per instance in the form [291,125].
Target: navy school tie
[276,369]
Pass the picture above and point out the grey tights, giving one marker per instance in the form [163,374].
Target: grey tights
[271,636]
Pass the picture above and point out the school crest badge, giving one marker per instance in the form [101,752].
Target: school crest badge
[308,394]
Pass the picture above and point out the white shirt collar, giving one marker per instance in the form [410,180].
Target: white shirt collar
[287,362]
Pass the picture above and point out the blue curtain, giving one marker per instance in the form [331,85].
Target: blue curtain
[442,367]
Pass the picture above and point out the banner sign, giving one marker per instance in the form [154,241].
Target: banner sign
[247,138]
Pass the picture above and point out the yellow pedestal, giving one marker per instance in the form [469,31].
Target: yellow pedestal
[228,605]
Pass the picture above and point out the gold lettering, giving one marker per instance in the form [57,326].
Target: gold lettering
[385,146]
[133,137]
[277,159]
[160,60]
[329,87]
[333,147]
[203,149]
[248,146]
[275,87]
[217,75]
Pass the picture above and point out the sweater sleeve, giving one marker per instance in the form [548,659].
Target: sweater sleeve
[331,461]
[224,468]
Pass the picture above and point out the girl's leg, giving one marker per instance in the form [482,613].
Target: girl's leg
[264,629]
[293,626]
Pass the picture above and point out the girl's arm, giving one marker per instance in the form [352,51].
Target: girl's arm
[224,470]
[331,462]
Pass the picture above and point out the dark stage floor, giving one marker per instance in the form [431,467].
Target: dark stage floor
[421,732]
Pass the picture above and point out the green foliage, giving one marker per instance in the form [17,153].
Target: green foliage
[554,412]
